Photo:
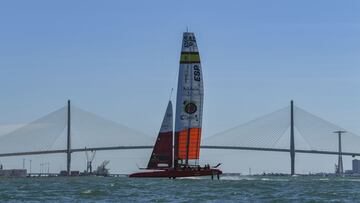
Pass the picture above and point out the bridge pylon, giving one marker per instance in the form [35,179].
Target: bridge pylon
[68,149]
[340,167]
[292,138]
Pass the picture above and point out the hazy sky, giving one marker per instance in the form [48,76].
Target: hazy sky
[120,59]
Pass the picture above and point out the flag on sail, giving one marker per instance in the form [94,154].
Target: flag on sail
[161,157]
[189,104]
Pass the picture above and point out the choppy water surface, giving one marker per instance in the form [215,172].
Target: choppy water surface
[228,189]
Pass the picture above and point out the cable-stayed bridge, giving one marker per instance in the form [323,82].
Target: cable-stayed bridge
[290,129]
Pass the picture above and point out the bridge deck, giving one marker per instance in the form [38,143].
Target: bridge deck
[203,147]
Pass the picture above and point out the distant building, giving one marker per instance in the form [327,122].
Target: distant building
[72,173]
[356,166]
[13,173]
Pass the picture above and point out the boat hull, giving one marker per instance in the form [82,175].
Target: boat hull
[176,173]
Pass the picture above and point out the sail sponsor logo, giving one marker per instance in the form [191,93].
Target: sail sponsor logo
[193,117]
[189,40]
[190,108]
[191,88]
[197,73]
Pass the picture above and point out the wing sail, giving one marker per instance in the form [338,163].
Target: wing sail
[189,104]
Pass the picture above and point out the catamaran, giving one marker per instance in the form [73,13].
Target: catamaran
[182,160]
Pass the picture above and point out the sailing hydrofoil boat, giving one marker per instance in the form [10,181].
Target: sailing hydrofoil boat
[182,160]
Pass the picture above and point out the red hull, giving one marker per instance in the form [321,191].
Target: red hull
[175,173]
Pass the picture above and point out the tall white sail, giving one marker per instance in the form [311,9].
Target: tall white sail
[189,104]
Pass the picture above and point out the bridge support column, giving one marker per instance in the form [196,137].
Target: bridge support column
[340,168]
[68,151]
[292,139]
